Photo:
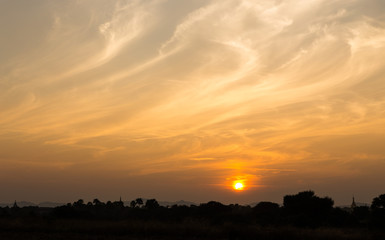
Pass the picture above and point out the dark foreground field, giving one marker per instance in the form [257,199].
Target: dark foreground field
[34,229]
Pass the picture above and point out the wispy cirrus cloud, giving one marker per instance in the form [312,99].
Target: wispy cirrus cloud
[240,88]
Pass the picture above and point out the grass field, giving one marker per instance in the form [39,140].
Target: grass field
[97,230]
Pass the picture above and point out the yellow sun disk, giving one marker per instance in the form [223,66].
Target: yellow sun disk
[238,186]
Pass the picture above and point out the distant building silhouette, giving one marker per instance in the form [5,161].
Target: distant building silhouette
[15,205]
[354,205]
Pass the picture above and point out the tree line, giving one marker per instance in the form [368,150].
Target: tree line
[304,209]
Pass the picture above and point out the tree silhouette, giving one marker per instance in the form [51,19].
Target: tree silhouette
[79,203]
[139,202]
[378,202]
[118,204]
[267,212]
[97,202]
[378,211]
[109,204]
[151,204]
[307,201]
[307,209]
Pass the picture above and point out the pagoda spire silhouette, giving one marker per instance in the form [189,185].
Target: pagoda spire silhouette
[354,205]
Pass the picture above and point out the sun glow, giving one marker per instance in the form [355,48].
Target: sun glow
[238,186]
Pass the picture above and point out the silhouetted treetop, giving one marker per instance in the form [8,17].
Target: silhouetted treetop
[266,208]
[151,204]
[378,202]
[307,201]
[97,202]
[378,211]
[79,203]
[139,202]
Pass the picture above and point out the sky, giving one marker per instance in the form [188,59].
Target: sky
[180,99]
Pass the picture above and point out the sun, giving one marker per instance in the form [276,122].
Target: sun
[238,186]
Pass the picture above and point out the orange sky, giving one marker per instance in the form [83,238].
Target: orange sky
[172,99]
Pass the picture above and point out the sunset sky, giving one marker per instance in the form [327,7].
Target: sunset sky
[179,99]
